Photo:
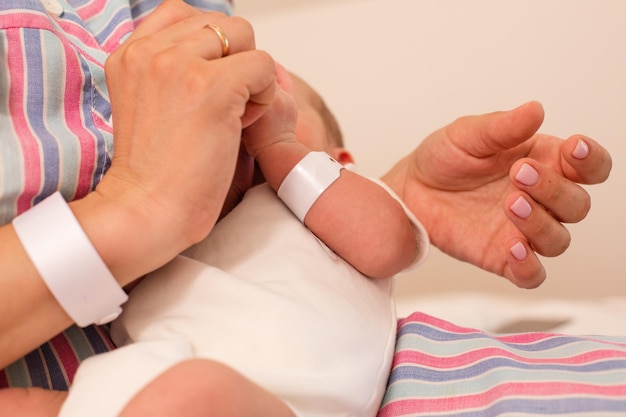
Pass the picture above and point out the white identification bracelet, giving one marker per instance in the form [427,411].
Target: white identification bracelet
[68,263]
[307,181]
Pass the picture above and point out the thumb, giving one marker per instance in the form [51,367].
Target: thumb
[485,135]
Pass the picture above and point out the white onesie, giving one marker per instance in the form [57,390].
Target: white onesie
[263,295]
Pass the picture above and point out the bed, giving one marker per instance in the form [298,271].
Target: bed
[534,360]
[529,359]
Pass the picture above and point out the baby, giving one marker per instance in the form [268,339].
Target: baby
[301,314]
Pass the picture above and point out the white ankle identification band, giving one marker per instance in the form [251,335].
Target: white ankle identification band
[307,181]
[68,263]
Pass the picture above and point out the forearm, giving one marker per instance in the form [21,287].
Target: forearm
[363,224]
[30,314]
[122,237]
[355,217]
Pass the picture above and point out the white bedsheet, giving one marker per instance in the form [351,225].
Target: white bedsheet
[502,314]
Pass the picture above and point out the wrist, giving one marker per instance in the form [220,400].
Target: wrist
[127,234]
[176,211]
[68,263]
[307,181]
[277,160]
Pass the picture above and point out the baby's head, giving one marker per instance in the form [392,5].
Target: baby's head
[317,127]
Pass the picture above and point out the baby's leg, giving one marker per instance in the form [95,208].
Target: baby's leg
[200,387]
[31,402]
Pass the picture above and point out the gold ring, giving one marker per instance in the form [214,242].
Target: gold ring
[220,34]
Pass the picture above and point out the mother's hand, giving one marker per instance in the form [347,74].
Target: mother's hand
[178,113]
[493,193]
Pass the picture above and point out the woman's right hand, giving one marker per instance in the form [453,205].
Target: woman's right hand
[178,113]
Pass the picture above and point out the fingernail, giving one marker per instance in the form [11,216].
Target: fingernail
[519,251]
[522,208]
[527,175]
[581,151]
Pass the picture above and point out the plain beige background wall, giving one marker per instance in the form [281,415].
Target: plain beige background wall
[395,71]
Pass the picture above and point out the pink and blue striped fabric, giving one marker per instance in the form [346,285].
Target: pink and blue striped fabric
[54,364]
[440,369]
[56,133]
[55,116]
[55,129]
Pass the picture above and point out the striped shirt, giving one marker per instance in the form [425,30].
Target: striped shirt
[55,113]
[56,133]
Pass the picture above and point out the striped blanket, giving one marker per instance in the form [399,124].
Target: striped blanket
[441,370]
[53,365]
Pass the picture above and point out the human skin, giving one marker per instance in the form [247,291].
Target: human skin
[154,209]
[354,216]
[464,180]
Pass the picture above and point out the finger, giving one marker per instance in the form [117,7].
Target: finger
[523,268]
[498,131]
[164,15]
[193,36]
[284,79]
[228,36]
[585,161]
[546,235]
[253,75]
[242,181]
[567,201]
[254,110]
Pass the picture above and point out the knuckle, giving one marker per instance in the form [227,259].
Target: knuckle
[164,63]
[264,57]
[132,57]
[243,25]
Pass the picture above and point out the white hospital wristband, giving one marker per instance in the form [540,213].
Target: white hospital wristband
[307,181]
[68,263]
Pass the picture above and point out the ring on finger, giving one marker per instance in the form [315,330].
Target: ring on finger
[222,36]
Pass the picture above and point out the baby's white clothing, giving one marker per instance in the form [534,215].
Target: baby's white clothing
[264,296]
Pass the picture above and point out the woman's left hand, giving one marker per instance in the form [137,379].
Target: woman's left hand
[492,192]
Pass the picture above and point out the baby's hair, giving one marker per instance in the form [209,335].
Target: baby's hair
[333,131]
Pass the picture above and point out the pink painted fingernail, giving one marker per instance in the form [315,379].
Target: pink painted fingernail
[581,151]
[519,251]
[527,175]
[522,208]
